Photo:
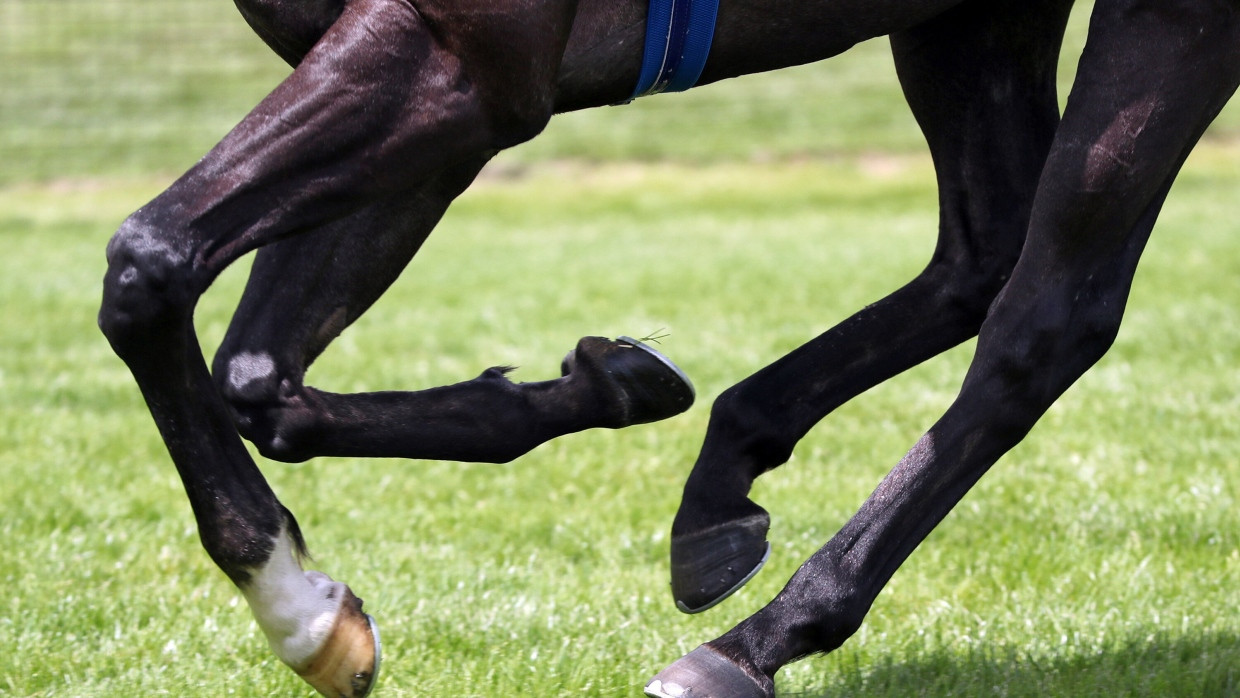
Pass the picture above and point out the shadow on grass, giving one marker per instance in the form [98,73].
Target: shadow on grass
[1162,666]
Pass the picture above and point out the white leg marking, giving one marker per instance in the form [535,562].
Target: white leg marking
[295,609]
[248,374]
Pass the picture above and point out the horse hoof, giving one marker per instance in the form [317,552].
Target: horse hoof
[648,386]
[704,673]
[710,565]
[348,664]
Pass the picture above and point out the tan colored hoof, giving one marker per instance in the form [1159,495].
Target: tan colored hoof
[348,664]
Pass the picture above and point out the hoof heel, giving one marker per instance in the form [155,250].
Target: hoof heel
[348,664]
[711,565]
[704,673]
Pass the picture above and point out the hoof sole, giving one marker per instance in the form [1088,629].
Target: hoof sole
[704,673]
[656,387]
[711,565]
[348,664]
[644,383]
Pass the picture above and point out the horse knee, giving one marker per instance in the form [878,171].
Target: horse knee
[147,286]
[268,406]
[1065,331]
[247,378]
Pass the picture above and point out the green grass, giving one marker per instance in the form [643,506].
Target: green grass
[84,81]
[1102,556]
[1099,558]
[95,88]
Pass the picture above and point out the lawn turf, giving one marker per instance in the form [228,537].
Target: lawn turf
[1101,557]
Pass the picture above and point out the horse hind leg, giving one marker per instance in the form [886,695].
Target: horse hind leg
[985,97]
[1140,102]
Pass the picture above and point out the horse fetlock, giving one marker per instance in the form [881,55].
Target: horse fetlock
[757,433]
[814,624]
[279,431]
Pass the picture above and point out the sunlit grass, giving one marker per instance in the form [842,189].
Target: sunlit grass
[129,87]
[1102,556]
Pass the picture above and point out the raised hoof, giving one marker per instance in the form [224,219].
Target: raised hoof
[348,664]
[704,673]
[710,565]
[648,387]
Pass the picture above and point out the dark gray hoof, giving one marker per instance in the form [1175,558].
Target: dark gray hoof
[710,565]
[648,387]
[704,673]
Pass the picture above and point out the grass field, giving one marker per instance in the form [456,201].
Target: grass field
[1099,558]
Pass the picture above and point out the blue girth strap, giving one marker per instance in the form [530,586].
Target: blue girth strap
[678,36]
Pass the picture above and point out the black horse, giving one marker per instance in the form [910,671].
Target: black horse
[395,105]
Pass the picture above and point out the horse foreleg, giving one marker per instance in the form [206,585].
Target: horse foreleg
[381,103]
[304,291]
[981,82]
[314,625]
[1151,79]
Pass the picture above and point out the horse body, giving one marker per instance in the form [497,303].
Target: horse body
[338,176]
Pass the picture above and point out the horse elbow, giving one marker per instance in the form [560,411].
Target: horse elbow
[516,123]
